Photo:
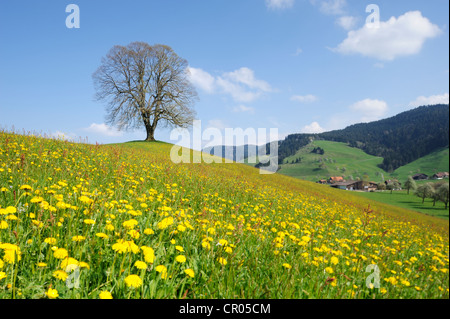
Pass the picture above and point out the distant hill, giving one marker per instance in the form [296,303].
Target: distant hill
[399,140]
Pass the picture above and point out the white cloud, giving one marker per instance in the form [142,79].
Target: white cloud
[396,37]
[279,4]
[202,79]
[313,128]
[430,100]
[241,84]
[370,110]
[330,7]
[304,98]
[242,108]
[347,22]
[103,129]
[298,52]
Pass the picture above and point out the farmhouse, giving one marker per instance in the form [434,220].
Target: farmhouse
[440,175]
[420,177]
[336,179]
[349,185]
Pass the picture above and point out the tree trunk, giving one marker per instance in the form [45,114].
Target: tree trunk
[150,133]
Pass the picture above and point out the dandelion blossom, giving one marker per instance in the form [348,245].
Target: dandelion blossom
[287,266]
[140,265]
[60,253]
[60,274]
[133,281]
[105,295]
[180,259]
[190,273]
[52,293]
[222,261]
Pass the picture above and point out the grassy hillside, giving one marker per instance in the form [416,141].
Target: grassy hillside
[338,160]
[435,162]
[124,221]
[412,202]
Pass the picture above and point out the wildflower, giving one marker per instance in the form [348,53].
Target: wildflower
[166,222]
[287,266]
[50,240]
[12,253]
[181,228]
[130,224]
[102,235]
[329,270]
[222,261]
[228,250]
[134,234]
[11,210]
[89,221]
[334,260]
[2,275]
[223,242]
[162,270]
[3,224]
[189,272]
[105,295]
[78,238]
[180,259]
[149,254]
[68,261]
[140,265]
[123,246]
[52,293]
[26,187]
[206,245]
[383,291]
[133,281]
[60,253]
[148,231]
[42,265]
[60,274]
[109,227]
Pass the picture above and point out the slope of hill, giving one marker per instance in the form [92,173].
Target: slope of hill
[399,140]
[437,161]
[136,225]
[338,159]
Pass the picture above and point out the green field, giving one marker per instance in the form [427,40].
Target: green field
[435,162]
[402,199]
[352,163]
[338,160]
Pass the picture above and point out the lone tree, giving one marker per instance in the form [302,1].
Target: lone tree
[410,184]
[424,191]
[443,192]
[144,85]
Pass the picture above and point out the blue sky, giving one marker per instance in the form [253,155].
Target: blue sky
[295,65]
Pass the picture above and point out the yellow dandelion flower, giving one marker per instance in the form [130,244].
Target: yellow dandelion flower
[180,259]
[140,265]
[287,266]
[105,295]
[222,261]
[334,260]
[60,274]
[60,253]
[329,270]
[42,265]
[148,231]
[166,222]
[2,275]
[78,238]
[50,240]
[149,254]
[162,270]
[3,224]
[52,293]
[102,235]
[179,248]
[133,281]
[189,272]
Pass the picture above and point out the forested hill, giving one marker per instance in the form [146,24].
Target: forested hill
[399,140]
